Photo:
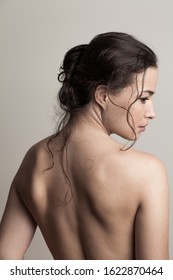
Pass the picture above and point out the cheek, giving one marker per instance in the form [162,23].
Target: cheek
[135,113]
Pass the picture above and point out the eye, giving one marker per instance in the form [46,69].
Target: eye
[143,99]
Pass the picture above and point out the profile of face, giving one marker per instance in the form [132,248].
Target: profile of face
[128,113]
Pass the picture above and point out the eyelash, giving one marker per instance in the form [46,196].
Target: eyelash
[144,99]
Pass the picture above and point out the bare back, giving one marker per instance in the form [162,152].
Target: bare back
[94,202]
[85,209]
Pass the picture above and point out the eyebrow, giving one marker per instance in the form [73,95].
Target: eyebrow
[148,91]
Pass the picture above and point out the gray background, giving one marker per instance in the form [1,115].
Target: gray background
[34,36]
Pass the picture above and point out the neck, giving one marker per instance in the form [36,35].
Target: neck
[89,118]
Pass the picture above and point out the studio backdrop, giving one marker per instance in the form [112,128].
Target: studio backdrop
[34,36]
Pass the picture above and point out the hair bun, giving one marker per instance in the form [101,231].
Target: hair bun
[70,62]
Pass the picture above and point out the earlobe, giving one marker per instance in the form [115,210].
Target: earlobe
[101,96]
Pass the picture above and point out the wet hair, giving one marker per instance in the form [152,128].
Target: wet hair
[111,59]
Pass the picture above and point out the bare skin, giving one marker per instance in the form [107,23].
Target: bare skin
[116,205]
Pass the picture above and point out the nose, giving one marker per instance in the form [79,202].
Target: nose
[150,114]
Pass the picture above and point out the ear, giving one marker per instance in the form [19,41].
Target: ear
[101,96]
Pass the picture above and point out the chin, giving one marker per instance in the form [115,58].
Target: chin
[126,133]
[131,137]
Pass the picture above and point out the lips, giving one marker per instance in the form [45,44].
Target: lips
[142,127]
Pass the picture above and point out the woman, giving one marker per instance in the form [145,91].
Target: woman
[92,197]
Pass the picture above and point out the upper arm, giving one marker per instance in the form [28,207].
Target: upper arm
[18,225]
[151,226]
[16,229]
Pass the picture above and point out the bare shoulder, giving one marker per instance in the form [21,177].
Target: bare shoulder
[38,155]
[149,173]
[135,161]
[150,167]
[152,219]
[147,162]
[36,160]
[145,173]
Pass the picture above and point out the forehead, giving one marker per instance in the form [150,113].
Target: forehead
[148,80]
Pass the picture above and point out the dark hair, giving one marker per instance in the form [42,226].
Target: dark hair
[111,59]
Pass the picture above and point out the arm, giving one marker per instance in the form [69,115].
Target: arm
[16,229]
[151,227]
